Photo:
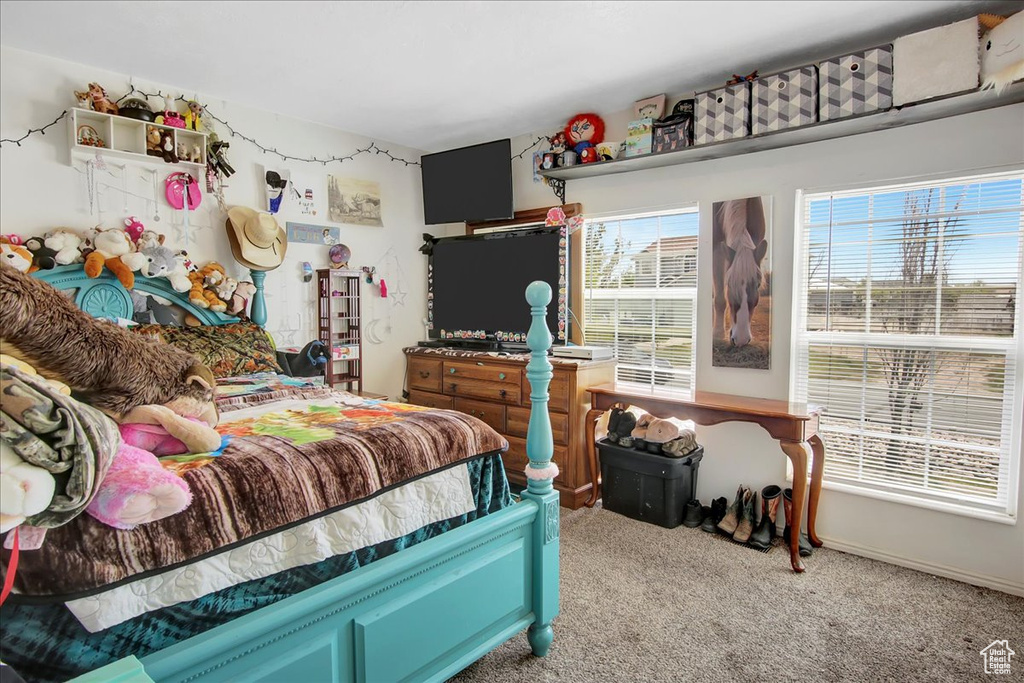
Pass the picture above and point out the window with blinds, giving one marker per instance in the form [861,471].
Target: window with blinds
[640,288]
[908,311]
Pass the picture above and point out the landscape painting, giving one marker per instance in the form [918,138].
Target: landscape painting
[742,276]
[353,201]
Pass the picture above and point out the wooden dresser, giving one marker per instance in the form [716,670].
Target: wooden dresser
[494,388]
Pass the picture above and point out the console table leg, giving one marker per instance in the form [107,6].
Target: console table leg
[798,453]
[590,428]
[817,471]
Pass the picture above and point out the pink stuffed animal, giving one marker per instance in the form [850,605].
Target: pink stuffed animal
[137,490]
[134,227]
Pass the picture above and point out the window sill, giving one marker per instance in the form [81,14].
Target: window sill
[903,499]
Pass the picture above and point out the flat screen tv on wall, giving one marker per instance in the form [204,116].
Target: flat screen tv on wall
[476,285]
[468,184]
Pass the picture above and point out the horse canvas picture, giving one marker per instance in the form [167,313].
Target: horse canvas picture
[741,256]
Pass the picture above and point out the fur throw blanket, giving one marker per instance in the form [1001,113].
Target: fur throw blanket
[105,366]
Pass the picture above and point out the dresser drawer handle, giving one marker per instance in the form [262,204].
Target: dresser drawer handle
[453,385]
[501,375]
[424,374]
[451,371]
[502,393]
[479,363]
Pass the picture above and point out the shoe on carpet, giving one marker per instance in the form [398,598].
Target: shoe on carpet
[732,515]
[762,536]
[694,514]
[718,507]
[787,506]
[745,526]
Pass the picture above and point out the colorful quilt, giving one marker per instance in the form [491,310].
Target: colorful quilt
[281,462]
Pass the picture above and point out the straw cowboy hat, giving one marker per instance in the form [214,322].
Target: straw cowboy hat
[257,241]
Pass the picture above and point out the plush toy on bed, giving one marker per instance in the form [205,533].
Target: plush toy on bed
[42,256]
[67,244]
[115,250]
[111,368]
[25,489]
[203,280]
[16,256]
[163,262]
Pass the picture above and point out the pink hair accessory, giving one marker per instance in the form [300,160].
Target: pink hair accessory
[539,473]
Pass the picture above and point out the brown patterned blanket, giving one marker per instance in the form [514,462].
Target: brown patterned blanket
[281,462]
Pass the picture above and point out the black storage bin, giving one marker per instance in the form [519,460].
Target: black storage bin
[648,487]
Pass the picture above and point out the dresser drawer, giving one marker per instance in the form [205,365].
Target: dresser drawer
[491,413]
[558,392]
[422,398]
[491,391]
[515,457]
[424,374]
[518,420]
[482,372]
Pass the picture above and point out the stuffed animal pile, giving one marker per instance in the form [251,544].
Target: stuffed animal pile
[125,251]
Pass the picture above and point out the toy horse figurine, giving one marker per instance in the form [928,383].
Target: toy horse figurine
[100,101]
[738,247]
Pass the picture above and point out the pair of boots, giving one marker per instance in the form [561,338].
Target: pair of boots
[739,521]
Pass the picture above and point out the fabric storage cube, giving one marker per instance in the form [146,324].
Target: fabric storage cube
[937,62]
[722,114]
[854,84]
[784,100]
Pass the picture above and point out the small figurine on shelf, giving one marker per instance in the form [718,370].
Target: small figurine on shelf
[167,147]
[153,138]
[557,142]
[192,116]
[583,131]
[197,154]
[182,150]
[84,101]
[170,116]
[100,101]
[737,79]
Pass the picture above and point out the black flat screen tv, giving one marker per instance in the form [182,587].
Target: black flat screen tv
[468,184]
[477,284]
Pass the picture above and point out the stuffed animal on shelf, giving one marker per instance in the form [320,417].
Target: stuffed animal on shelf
[163,262]
[134,227]
[200,295]
[16,256]
[167,147]
[170,116]
[42,256]
[67,244]
[115,250]
[100,101]
[1002,53]
[153,138]
[240,299]
[583,131]
[193,120]
[83,101]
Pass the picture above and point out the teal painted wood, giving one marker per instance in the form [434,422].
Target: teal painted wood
[106,297]
[127,670]
[258,305]
[422,614]
[540,472]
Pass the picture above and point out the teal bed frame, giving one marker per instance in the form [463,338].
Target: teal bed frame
[422,614]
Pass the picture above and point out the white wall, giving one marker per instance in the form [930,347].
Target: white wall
[41,190]
[984,552]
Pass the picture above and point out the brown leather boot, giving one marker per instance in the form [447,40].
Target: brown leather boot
[745,527]
[787,504]
[732,515]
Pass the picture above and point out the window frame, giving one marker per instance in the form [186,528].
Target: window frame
[691,294]
[996,512]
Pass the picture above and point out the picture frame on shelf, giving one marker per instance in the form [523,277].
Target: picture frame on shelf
[650,108]
[88,136]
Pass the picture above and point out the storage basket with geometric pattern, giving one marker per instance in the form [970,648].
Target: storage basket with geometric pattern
[854,84]
[784,100]
[722,114]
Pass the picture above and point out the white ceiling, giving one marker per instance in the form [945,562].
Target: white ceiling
[436,75]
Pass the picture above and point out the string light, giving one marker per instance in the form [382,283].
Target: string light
[532,145]
[41,131]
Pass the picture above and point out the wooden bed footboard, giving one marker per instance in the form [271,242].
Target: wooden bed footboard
[422,614]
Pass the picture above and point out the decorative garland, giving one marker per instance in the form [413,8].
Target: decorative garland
[372,147]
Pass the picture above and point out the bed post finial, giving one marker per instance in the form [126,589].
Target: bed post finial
[540,472]
[539,444]
[258,306]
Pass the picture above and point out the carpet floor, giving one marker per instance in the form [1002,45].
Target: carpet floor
[643,603]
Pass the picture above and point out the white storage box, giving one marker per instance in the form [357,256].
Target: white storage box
[937,62]
[784,100]
[722,114]
[854,84]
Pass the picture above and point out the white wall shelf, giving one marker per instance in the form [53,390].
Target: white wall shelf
[125,138]
[825,130]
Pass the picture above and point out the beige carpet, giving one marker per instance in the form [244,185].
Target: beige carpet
[642,603]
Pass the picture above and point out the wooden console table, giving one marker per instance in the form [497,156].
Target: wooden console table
[793,425]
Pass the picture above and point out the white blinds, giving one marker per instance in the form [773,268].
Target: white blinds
[908,308]
[640,287]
